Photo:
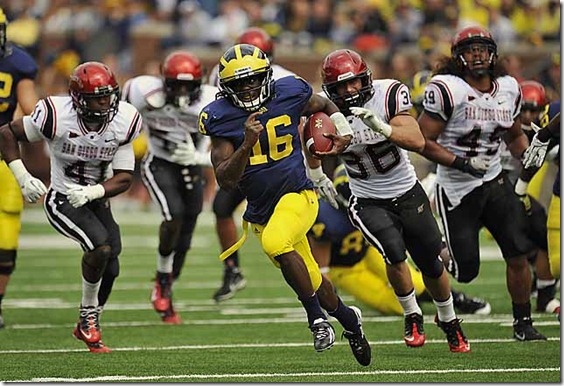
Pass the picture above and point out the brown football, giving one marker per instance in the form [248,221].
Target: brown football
[316,125]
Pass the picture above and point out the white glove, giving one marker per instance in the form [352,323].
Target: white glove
[79,195]
[325,186]
[372,120]
[481,163]
[535,153]
[32,188]
[184,154]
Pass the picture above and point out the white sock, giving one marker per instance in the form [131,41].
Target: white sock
[409,304]
[90,293]
[545,283]
[445,310]
[164,263]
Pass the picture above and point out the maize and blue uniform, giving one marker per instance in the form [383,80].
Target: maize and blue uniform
[282,204]
[356,267]
[15,66]
[553,221]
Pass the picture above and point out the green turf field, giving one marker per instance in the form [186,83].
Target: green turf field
[259,336]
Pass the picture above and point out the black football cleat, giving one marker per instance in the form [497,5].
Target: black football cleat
[233,281]
[358,343]
[464,304]
[523,330]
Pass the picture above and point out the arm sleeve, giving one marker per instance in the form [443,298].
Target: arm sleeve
[42,122]
[438,100]
[124,159]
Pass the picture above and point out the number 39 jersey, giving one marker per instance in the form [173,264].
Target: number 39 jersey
[79,156]
[475,123]
[378,168]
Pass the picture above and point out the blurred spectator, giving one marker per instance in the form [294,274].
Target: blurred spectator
[406,24]
[550,77]
[230,22]
[501,29]
[193,23]
[513,65]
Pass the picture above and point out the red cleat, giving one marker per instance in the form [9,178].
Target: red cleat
[170,316]
[88,330]
[414,334]
[457,342]
[162,292]
[98,347]
[88,327]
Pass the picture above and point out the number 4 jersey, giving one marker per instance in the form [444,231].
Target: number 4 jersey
[377,167]
[79,156]
[475,123]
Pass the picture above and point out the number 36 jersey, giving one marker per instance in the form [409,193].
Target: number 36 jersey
[377,167]
[475,124]
[79,156]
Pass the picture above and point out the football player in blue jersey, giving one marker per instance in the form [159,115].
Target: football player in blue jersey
[256,147]
[356,267]
[532,160]
[17,74]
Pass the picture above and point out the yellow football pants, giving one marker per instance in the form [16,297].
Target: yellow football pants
[368,282]
[11,206]
[553,227]
[286,230]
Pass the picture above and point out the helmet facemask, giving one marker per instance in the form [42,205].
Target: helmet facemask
[473,43]
[182,93]
[348,100]
[249,98]
[90,114]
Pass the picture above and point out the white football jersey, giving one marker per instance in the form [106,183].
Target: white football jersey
[80,156]
[377,167]
[277,73]
[476,122]
[167,124]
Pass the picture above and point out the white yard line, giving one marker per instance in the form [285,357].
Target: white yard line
[115,378]
[251,346]
[504,320]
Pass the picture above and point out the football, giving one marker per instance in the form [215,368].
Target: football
[315,126]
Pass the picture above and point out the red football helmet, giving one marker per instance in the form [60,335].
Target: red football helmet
[182,73]
[533,95]
[92,80]
[258,38]
[341,66]
[469,36]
